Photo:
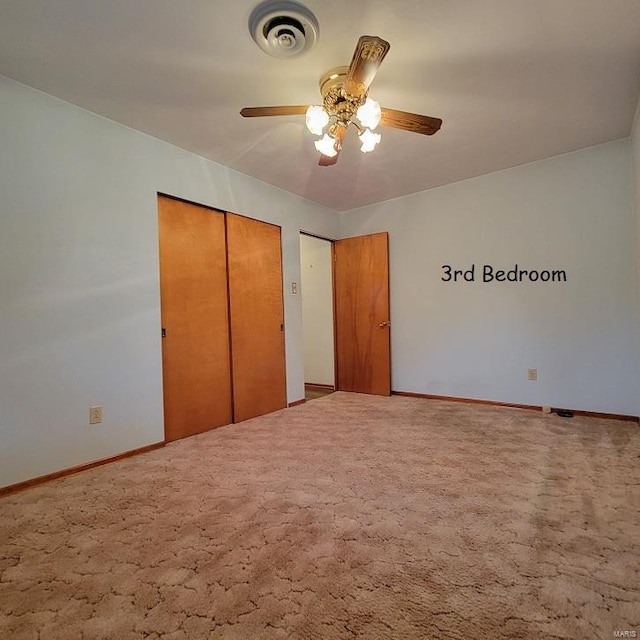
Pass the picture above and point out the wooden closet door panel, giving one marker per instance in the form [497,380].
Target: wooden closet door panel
[195,315]
[257,317]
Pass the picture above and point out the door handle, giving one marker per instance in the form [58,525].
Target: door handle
[384,324]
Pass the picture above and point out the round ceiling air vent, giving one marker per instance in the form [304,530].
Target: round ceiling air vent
[283,28]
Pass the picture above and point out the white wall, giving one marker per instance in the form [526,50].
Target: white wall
[477,340]
[79,299]
[317,310]
[79,295]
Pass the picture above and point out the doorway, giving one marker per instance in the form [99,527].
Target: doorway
[345,314]
[317,315]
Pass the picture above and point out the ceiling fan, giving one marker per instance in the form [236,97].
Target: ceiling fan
[345,102]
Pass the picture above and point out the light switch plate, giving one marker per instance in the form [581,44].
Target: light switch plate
[95,414]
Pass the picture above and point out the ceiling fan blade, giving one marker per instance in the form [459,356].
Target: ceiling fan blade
[367,58]
[410,121]
[328,161]
[257,112]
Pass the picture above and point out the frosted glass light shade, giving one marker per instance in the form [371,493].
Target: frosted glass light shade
[369,140]
[326,145]
[369,114]
[317,119]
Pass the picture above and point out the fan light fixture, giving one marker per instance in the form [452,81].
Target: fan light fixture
[345,102]
[326,145]
[317,119]
[367,118]
[369,140]
[369,114]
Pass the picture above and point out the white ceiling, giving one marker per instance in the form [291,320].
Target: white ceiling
[513,80]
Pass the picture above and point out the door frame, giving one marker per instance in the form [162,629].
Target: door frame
[333,304]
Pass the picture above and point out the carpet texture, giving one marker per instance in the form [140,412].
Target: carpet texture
[349,517]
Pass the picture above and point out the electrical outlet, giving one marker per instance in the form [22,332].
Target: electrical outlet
[95,414]
[533,374]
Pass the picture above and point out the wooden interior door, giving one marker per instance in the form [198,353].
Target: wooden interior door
[362,327]
[257,317]
[195,318]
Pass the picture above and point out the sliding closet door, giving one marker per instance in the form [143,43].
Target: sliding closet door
[257,317]
[195,319]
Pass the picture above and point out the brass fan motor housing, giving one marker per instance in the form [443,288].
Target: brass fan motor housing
[335,77]
[335,100]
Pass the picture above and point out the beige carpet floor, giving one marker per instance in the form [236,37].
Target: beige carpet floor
[348,517]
